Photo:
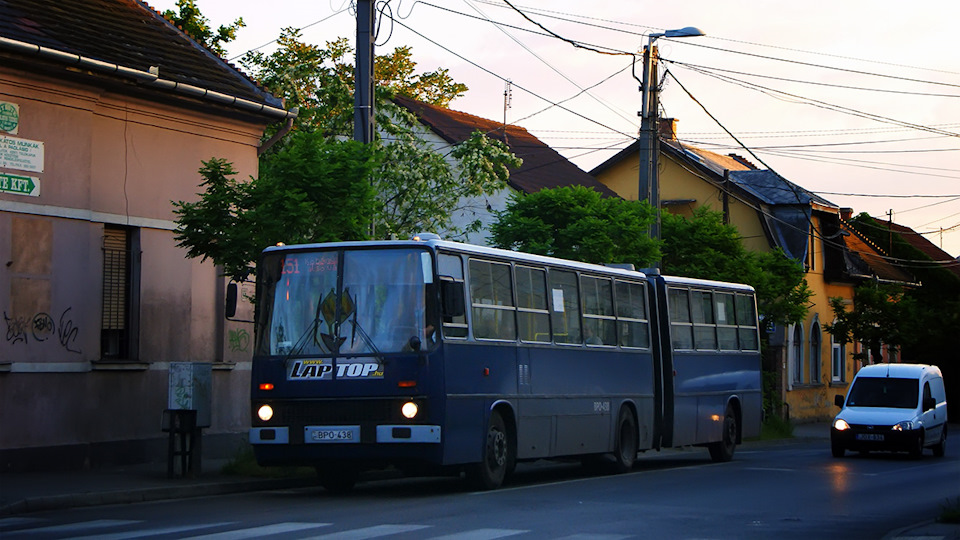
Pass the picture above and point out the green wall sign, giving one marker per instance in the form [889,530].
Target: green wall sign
[9,117]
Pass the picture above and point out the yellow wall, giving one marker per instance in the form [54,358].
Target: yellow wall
[807,400]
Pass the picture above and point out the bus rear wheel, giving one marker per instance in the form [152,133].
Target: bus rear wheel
[496,457]
[625,451]
[723,449]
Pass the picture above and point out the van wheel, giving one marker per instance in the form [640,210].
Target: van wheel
[837,450]
[917,449]
[496,457]
[940,447]
[723,449]
[625,451]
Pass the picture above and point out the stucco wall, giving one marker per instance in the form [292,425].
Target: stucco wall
[110,160]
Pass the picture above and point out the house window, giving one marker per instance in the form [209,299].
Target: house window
[796,350]
[121,285]
[838,361]
[815,353]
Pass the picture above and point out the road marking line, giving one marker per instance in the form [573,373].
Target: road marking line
[480,534]
[153,532]
[256,532]
[80,526]
[769,469]
[369,532]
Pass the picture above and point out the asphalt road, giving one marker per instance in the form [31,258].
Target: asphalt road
[770,490]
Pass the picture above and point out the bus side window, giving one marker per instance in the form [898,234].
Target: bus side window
[726,322]
[452,295]
[681,327]
[747,322]
[599,322]
[564,307]
[532,315]
[632,325]
[704,329]
[491,298]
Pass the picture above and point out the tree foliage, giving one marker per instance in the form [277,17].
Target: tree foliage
[417,186]
[704,247]
[315,189]
[577,223]
[882,315]
[191,21]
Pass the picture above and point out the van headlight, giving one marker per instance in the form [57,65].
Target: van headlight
[840,424]
[906,425]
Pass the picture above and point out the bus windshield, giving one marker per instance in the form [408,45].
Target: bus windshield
[344,303]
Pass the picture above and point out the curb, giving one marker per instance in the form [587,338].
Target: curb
[76,500]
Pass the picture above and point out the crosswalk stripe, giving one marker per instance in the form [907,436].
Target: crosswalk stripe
[255,532]
[481,534]
[80,526]
[369,532]
[153,532]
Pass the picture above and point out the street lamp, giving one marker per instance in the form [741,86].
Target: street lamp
[649,185]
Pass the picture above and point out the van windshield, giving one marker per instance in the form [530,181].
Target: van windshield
[884,392]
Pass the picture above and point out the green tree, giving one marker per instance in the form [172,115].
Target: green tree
[882,315]
[314,189]
[191,21]
[577,223]
[418,187]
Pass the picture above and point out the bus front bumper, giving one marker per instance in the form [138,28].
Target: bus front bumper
[347,434]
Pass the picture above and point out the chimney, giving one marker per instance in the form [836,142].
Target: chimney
[846,213]
[668,129]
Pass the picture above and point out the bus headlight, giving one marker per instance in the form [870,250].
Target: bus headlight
[409,410]
[265,412]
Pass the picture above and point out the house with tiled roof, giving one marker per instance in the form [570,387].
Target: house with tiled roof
[106,111]
[542,166]
[770,212]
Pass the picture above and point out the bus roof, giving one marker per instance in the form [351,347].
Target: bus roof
[517,256]
[470,249]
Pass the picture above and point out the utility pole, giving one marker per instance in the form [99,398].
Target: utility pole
[364,122]
[649,186]
[363,118]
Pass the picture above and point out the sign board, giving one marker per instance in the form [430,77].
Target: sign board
[20,185]
[9,117]
[21,154]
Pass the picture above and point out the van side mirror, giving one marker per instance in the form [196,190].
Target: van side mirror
[929,404]
[838,400]
[230,307]
[452,298]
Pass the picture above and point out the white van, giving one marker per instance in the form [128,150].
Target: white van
[892,407]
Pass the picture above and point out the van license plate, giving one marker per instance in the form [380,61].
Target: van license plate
[870,436]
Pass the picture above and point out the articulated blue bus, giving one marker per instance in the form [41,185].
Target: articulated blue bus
[439,357]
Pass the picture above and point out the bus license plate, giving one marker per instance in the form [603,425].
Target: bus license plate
[870,436]
[332,434]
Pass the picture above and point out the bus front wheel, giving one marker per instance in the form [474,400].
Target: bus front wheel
[496,459]
[722,450]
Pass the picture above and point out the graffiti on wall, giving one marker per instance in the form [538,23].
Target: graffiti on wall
[42,328]
[239,340]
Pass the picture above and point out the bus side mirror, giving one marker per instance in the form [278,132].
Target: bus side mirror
[452,298]
[838,400]
[230,307]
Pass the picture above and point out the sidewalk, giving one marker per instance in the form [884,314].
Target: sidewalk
[38,491]
[33,492]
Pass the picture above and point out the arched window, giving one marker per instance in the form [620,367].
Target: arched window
[796,350]
[815,353]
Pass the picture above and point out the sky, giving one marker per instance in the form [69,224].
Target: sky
[855,100]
